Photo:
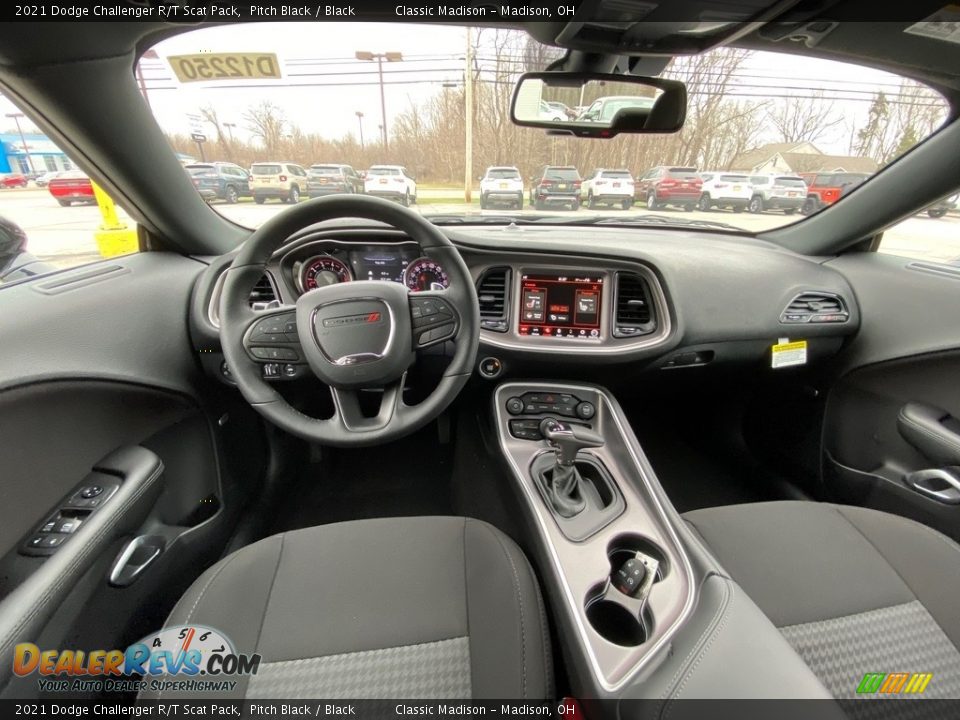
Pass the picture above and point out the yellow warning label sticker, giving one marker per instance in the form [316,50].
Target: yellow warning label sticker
[787,354]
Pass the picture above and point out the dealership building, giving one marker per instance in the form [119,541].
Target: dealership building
[43,153]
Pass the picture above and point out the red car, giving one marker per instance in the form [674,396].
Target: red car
[825,188]
[662,186]
[12,180]
[71,187]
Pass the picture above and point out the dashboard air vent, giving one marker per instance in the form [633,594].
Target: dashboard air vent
[634,313]
[815,307]
[263,294]
[493,291]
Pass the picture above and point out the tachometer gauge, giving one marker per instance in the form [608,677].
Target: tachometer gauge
[425,274]
[322,271]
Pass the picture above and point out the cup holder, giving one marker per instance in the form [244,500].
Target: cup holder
[615,622]
[624,547]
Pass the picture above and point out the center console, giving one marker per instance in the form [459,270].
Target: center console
[624,574]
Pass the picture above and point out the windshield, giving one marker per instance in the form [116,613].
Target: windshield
[367,96]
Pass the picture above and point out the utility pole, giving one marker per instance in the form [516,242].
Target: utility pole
[360,122]
[380,57]
[26,150]
[468,121]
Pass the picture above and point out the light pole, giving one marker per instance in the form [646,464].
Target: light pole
[360,122]
[230,126]
[368,56]
[468,122]
[26,151]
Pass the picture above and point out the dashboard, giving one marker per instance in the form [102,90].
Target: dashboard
[644,299]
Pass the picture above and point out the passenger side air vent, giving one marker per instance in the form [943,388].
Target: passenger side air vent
[815,307]
[263,294]
[634,311]
[493,291]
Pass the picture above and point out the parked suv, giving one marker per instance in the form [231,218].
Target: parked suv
[501,185]
[392,182]
[605,109]
[826,188]
[608,187]
[220,180]
[722,190]
[777,192]
[285,181]
[332,179]
[555,185]
[664,185]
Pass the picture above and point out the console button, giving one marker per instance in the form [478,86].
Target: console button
[52,540]
[526,429]
[48,527]
[36,541]
[586,410]
[68,526]
[514,406]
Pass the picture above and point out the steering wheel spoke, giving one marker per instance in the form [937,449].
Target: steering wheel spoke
[349,411]
[272,337]
[434,317]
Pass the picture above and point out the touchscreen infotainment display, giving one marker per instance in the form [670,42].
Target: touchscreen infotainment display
[560,306]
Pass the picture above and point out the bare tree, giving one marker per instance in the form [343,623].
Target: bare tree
[802,119]
[266,121]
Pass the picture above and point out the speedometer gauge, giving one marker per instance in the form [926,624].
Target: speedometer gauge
[322,271]
[425,274]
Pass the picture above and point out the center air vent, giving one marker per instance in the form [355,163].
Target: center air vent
[493,293]
[815,307]
[634,313]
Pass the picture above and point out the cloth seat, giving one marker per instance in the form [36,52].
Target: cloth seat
[427,607]
[853,590]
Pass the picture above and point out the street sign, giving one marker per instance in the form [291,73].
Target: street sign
[197,137]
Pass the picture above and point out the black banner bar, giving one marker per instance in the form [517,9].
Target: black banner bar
[439,11]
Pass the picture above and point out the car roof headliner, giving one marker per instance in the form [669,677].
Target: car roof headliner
[886,46]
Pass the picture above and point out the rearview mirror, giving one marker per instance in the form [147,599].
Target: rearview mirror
[598,105]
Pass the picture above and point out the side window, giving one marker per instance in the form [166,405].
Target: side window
[50,216]
[931,235]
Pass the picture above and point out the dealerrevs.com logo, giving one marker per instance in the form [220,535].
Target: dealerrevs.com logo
[184,658]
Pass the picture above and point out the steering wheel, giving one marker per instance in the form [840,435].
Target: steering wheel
[353,336]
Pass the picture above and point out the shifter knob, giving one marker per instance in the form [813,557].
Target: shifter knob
[568,439]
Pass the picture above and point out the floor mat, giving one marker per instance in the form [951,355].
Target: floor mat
[404,478]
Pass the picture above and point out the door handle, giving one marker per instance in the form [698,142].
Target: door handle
[931,430]
[940,484]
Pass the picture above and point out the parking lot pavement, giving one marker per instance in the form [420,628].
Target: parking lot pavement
[64,235]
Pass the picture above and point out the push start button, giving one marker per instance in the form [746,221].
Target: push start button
[490,367]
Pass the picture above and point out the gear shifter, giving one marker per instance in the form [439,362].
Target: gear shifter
[564,488]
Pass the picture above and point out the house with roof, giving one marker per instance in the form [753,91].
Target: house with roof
[797,158]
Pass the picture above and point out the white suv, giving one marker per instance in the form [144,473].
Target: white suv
[501,185]
[608,187]
[392,182]
[285,181]
[724,189]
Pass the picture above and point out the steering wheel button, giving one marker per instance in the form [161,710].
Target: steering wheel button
[290,327]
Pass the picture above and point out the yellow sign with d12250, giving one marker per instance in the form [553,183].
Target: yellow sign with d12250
[225,66]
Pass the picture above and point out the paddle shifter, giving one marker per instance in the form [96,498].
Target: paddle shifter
[565,483]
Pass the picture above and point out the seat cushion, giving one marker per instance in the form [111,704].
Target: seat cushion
[428,607]
[853,590]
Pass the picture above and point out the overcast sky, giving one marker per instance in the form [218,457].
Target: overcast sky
[324,53]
